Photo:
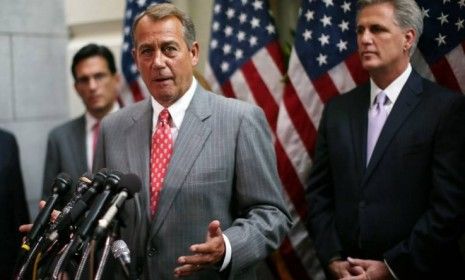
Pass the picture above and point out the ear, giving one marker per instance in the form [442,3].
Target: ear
[134,55]
[409,36]
[194,52]
[76,88]
[117,78]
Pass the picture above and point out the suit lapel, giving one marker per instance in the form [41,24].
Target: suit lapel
[138,147]
[77,140]
[193,132]
[408,99]
[359,121]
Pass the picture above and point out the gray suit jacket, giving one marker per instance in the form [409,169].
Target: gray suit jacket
[223,167]
[66,152]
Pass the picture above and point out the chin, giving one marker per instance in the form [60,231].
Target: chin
[369,65]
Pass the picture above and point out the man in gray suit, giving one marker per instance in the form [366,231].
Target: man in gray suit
[70,146]
[220,208]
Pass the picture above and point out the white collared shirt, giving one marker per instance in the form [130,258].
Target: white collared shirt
[392,91]
[177,110]
[90,122]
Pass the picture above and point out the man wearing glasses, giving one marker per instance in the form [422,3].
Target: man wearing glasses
[70,146]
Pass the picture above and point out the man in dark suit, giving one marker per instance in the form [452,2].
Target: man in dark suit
[71,145]
[387,189]
[13,206]
[218,208]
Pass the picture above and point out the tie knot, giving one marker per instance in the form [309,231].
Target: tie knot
[381,99]
[164,116]
[96,126]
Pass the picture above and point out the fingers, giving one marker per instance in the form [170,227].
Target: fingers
[186,270]
[25,228]
[54,215]
[42,204]
[204,254]
[214,229]
[356,270]
[357,262]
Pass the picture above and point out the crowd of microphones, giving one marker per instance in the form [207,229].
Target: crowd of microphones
[79,241]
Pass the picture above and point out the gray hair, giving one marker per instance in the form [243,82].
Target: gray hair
[407,14]
[160,11]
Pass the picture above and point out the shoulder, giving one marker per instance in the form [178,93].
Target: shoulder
[439,93]
[347,100]
[231,106]
[7,138]
[127,114]
[9,146]
[71,125]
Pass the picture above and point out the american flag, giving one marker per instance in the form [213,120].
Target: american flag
[441,50]
[245,61]
[137,88]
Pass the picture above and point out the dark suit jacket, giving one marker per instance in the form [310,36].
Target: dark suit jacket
[13,206]
[66,152]
[407,205]
[223,167]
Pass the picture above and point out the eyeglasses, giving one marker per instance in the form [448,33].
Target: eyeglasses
[85,80]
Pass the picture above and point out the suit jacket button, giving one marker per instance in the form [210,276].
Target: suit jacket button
[362,204]
[152,252]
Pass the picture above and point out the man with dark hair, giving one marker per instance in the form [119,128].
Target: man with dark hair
[387,188]
[13,206]
[211,206]
[71,146]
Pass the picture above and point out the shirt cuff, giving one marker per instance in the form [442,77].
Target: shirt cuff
[390,270]
[227,254]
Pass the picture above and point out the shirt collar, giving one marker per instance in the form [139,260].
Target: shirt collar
[177,109]
[393,90]
[91,120]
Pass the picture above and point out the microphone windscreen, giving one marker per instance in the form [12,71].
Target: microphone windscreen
[131,182]
[62,184]
[119,248]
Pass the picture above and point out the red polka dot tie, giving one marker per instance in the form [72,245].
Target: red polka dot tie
[160,154]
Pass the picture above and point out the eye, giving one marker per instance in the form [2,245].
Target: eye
[146,51]
[377,29]
[169,50]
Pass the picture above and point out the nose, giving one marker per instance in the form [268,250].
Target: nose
[93,83]
[159,60]
[364,37]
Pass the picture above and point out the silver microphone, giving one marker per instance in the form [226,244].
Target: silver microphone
[121,252]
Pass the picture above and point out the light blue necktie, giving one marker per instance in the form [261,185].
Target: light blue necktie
[377,116]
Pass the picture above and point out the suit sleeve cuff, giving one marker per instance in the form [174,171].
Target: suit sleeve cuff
[227,254]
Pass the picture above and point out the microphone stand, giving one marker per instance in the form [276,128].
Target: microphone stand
[30,256]
[84,258]
[106,251]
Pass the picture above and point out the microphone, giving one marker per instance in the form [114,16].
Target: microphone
[121,252]
[61,185]
[79,203]
[128,186]
[82,233]
[110,185]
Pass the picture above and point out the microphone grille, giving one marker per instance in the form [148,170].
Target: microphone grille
[119,248]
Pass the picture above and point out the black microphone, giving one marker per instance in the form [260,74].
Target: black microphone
[111,183]
[79,204]
[121,252]
[61,185]
[81,235]
[127,187]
